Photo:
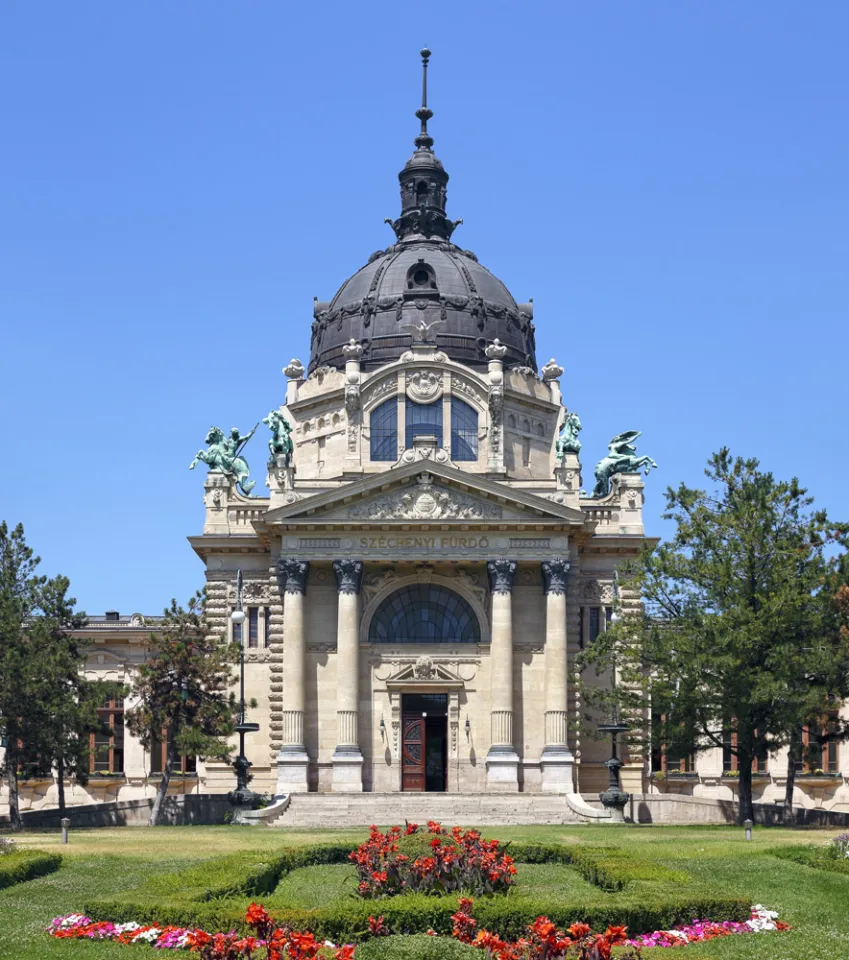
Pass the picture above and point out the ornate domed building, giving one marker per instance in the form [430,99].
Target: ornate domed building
[426,567]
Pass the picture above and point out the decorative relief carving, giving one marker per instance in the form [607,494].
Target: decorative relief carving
[293,574]
[375,582]
[257,655]
[464,389]
[253,591]
[422,452]
[424,669]
[424,386]
[373,395]
[349,575]
[555,574]
[597,592]
[425,502]
[501,574]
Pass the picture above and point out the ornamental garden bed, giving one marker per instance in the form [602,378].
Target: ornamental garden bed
[318,888]
[113,863]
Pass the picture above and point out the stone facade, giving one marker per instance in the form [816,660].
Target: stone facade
[424,569]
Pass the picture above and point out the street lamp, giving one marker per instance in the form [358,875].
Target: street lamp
[614,797]
[241,796]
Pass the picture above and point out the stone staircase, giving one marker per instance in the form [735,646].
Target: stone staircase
[385,809]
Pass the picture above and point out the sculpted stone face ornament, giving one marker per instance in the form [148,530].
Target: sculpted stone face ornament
[223,454]
[621,458]
[280,444]
[568,441]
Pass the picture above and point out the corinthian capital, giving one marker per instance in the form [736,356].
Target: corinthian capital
[554,573]
[501,573]
[349,575]
[293,574]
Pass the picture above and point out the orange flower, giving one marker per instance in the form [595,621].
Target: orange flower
[578,930]
[256,916]
[616,934]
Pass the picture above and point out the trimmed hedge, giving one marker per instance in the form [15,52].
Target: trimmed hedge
[23,865]
[214,895]
[418,947]
[816,857]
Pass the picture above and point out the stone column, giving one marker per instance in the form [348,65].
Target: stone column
[557,759]
[347,758]
[502,762]
[292,761]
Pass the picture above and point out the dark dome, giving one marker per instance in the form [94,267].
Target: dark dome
[422,280]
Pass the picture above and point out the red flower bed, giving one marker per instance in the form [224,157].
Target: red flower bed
[543,940]
[459,860]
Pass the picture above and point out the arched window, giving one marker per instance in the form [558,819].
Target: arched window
[424,613]
[464,431]
[384,431]
[421,192]
[424,420]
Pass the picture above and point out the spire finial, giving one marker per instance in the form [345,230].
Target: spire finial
[424,141]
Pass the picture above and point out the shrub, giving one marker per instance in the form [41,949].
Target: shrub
[21,865]
[417,947]
[213,895]
[437,862]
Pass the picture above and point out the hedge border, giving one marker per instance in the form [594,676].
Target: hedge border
[813,857]
[23,865]
[639,894]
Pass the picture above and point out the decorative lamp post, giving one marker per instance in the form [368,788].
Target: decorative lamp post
[241,796]
[614,797]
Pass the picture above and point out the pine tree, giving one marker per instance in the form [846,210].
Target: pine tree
[40,662]
[183,691]
[738,634]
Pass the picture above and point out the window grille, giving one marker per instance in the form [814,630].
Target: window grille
[424,420]
[384,431]
[424,613]
[464,431]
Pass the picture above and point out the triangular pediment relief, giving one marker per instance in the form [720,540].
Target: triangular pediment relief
[424,672]
[413,492]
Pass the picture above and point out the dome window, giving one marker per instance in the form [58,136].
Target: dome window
[422,191]
[464,431]
[384,431]
[421,277]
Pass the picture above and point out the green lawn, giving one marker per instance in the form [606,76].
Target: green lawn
[101,862]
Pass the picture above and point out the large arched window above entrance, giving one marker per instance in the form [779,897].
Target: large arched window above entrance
[424,613]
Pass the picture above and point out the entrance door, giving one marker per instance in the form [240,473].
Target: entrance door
[413,762]
[424,758]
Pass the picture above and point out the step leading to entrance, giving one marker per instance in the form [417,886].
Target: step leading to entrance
[450,809]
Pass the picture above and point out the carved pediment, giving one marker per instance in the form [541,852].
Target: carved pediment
[425,500]
[424,672]
[424,492]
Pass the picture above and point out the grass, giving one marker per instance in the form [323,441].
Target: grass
[102,862]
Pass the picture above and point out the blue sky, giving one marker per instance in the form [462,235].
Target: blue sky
[668,181]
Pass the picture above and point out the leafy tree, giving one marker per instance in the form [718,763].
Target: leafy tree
[39,662]
[183,688]
[739,629]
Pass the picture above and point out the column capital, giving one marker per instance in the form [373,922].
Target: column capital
[501,574]
[554,575]
[349,575]
[293,574]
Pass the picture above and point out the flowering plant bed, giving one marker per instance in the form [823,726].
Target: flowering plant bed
[542,940]
[430,860]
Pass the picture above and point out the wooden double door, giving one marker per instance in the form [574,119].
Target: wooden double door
[424,754]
